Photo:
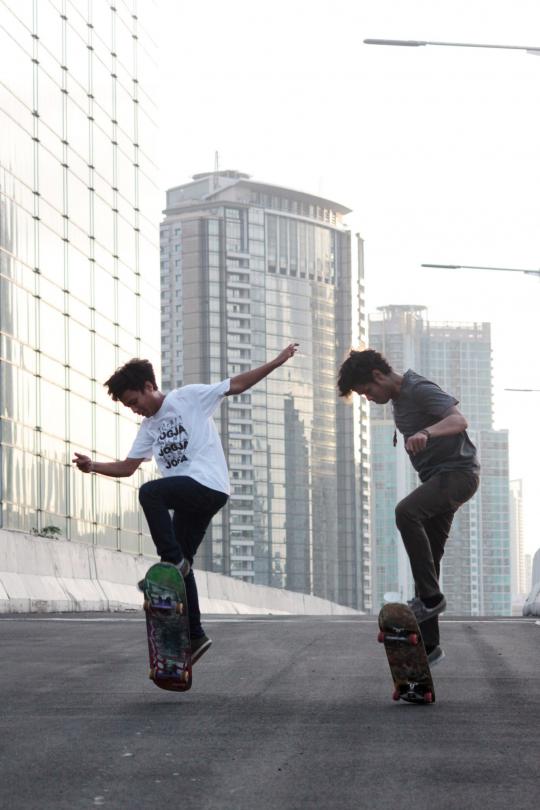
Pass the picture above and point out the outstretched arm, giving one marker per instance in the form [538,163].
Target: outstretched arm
[115,469]
[242,382]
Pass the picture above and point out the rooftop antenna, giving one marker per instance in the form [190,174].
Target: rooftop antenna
[216,170]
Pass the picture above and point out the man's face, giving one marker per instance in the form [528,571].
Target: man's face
[378,390]
[143,403]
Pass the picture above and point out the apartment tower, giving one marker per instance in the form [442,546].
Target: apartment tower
[246,268]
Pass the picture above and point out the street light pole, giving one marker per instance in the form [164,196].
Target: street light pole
[483,267]
[418,43]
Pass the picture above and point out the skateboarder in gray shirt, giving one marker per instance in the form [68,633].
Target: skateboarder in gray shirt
[445,459]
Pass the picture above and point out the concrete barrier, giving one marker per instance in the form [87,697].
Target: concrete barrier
[39,574]
[532,602]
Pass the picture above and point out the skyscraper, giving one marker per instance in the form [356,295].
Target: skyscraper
[246,267]
[476,565]
[397,334]
[78,257]
[519,584]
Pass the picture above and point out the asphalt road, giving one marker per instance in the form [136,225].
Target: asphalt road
[284,713]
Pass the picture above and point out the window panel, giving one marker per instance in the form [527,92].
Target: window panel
[77,131]
[126,241]
[80,346]
[102,84]
[50,102]
[78,204]
[16,146]
[19,472]
[17,233]
[52,331]
[14,61]
[106,428]
[53,409]
[53,491]
[52,370]
[51,179]
[76,54]
[78,275]
[80,419]
[17,312]
[106,505]
[105,359]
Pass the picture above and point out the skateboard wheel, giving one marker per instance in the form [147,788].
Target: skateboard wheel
[380,637]
[146,604]
[152,673]
[413,639]
[185,677]
[180,608]
[396,694]
[428,697]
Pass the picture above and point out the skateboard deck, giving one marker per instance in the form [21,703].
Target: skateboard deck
[399,632]
[167,627]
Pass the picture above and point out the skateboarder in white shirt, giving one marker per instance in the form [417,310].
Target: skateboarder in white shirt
[179,432]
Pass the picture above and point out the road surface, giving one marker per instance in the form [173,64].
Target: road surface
[289,713]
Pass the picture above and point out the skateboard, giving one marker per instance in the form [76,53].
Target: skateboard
[399,632]
[167,627]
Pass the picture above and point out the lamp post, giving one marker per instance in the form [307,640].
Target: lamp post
[483,267]
[418,43]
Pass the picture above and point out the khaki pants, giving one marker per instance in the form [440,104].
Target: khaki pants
[424,519]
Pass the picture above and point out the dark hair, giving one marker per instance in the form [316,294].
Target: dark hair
[130,377]
[358,369]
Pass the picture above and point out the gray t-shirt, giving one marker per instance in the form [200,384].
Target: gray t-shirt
[422,403]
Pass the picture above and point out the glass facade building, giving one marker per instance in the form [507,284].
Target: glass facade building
[396,333]
[476,575]
[79,290]
[247,268]
[519,584]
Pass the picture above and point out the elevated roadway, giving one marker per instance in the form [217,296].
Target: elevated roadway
[285,712]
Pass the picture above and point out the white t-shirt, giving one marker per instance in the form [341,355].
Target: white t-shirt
[183,438]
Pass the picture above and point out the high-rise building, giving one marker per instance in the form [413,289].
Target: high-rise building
[247,267]
[397,334]
[78,257]
[519,584]
[476,565]
[532,570]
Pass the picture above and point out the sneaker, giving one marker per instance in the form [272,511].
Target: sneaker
[422,612]
[184,567]
[199,646]
[436,656]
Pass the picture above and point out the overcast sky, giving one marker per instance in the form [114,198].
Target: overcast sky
[436,150]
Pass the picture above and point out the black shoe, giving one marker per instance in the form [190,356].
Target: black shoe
[184,567]
[422,612]
[199,646]
[435,656]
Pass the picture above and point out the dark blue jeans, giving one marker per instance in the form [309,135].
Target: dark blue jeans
[193,506]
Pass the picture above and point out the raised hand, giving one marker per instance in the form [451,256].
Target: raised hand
[287,353]
[84,463]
